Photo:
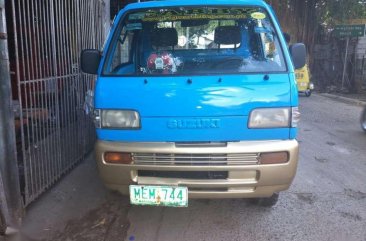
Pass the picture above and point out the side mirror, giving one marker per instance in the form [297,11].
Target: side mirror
[298,54]
[90,60]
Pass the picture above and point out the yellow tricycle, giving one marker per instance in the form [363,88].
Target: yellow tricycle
[304,85]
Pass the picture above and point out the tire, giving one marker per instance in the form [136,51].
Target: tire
[363,119]
[266,202]
[308,93]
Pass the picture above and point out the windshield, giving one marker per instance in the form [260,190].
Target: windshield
[191,41]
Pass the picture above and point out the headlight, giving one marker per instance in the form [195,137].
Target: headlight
[311,86]
[117,119]
[270,118]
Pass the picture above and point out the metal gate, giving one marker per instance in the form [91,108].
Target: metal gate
[53,131]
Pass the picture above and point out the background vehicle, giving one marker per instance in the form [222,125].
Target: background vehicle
[303,79]
[363,119]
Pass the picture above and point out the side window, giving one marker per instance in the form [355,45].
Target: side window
[265,46]
[270,46]
[123,51]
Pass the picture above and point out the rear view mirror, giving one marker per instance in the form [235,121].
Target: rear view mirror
[90,60]
[298,54]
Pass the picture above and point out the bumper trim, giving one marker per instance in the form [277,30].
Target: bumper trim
[196,183]
[243,180]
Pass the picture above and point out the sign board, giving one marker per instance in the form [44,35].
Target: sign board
[341,31]
[358,21]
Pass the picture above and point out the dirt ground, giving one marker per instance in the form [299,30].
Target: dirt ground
[107,222]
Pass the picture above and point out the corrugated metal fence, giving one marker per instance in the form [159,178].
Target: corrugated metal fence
[53,131]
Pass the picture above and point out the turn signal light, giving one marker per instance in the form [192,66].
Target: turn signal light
[117,158]
[274,158]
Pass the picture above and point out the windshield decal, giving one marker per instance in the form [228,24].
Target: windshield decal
[258,15]
[202,13]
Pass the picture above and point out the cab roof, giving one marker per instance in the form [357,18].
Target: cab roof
[180,3]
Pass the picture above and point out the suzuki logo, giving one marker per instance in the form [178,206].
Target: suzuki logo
[194,124]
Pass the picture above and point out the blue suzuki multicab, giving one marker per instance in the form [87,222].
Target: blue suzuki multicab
[196,99]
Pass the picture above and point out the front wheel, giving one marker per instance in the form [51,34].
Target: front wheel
[363,119]
[308,93]
[267,201]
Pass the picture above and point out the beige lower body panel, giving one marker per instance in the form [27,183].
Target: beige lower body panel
[244,181]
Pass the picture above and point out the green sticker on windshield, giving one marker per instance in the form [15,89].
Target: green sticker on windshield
[258,15]
[134,26]
[136,16]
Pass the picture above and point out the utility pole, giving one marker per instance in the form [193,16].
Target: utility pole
[11,207]
[345,63]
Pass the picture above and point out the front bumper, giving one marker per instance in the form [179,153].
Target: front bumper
[242,181]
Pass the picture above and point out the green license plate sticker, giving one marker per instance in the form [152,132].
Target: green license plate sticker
[159,196]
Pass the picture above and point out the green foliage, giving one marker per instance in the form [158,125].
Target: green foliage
[339,11]
[307,20]
[328,12]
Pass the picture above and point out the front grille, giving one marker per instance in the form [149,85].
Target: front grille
[216,175]
[195,159]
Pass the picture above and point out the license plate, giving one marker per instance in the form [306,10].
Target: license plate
[159,196]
